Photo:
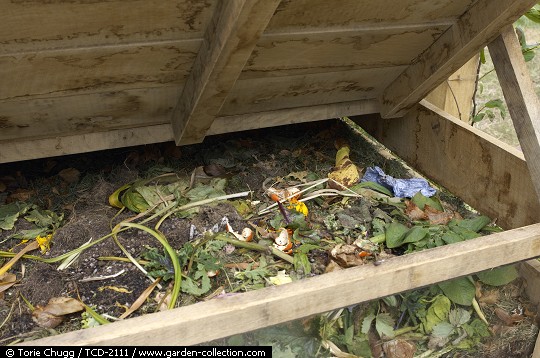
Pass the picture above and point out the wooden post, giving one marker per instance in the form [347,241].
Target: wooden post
[454,96]
[228,43]
[521,98]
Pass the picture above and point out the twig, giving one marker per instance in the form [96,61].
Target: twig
[101,278]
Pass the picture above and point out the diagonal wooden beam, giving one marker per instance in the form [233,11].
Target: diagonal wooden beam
[228,43]
[521,98]
[474,29]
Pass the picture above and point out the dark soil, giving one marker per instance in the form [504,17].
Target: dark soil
[249,158]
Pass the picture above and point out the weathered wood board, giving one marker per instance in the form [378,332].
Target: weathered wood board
[79,67]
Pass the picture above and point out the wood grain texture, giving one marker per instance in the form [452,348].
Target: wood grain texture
[245,312]
[30,26]
[37,118]
[474,29]
[228,43]
[64,72]
[286,54]
[487,174]
[275,93]
[455,95]
[521,98]
[313,14]
[281,117]
[78,143]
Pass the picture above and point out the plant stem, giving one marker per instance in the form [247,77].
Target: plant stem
[254,246]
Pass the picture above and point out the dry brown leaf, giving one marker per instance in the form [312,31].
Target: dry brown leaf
[114,288]
[414,212]
[6,281]
[52,314]
[70,175]
[346,255]
[332,266]
[140,300]
[437,217]
[345,173]
[399,348]
[21,195]
[162,300]
[489,298]
[508,319]
[31,246]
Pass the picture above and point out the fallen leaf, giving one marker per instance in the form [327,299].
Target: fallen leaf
[70,175]
[346,255]
[489,298]
[114,288]
[31,246]
[414,212]
[399,348]
[163,300]
[6,281]
[20,195]
[345,173]
[215,170]
[140,300]
[52,314]
[508,319]
[437,217]
[281,278]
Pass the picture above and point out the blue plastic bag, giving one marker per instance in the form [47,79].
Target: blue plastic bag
[402,188]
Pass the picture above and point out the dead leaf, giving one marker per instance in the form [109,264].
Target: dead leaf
[508,319]
[332,266]
[20,195]
[414,212]
[489,298]
[345,173]
[437,217]
[399,348]
[70,175]
[346,255]
[6,281]
[140,300]
[215,170]
[31,246]
[52,314]
[163,300]
[114,288]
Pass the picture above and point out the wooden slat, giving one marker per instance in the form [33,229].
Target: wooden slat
[521,98]
[31,26]
[313,14]
[86,70]
[296,53]
[474,29]
[229,41]
[230,315]
[128,128]
[37,118]
[275,93]
[486,173]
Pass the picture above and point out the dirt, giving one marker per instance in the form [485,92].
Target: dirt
[249,159]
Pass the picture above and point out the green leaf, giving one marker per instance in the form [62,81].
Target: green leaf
[478,117]
[44,218]
[499,276]
[498,104]
[395,233]
[451,237]
[415,234]
[475,224]
[242,208]
[366,323]
[421,201]
[533,15]
[460,290]
[390,301]
[373,186]
[9,214]
[442,330]
[459,317]
[301,261]
[384,325]
[437,312]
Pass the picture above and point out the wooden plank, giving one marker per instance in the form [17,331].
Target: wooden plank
[313,14]
[530,272]
[521,98]
[455,95]
[142,124]
[474,29]
[487,174]
[275,93]
[53,146]
[229,41]
[37,118]
[243,122]
[29,26]
[296,53]
[86,70]
[245,312]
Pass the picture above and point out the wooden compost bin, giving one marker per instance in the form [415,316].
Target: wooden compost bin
[80,76]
